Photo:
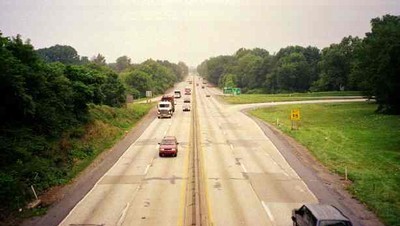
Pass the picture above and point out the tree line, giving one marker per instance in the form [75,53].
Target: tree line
[49,91]
[370,65]
[156,76]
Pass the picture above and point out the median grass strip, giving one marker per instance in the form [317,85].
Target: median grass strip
[352,136]
[261,98]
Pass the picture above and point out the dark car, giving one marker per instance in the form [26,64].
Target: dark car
[168,146]
[319,215]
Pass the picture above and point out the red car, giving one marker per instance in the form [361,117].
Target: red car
[168,146]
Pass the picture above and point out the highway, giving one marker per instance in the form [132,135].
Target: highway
[247,179]
[142,188]
[227,172]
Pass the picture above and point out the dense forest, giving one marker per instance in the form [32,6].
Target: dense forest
[371,65]
[46,95]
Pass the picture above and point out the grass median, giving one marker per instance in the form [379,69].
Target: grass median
[352,136]
[262,98]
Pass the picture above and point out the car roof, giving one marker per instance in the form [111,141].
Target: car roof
[169,138]
[326,212]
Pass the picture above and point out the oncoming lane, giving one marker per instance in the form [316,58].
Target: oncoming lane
[249,182]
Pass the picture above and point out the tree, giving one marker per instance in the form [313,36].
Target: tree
[248,67]
[138,82]
[59,53]
[228,80]
[336,65]
[293,73]
[99,59]
[122,63]
[378,66]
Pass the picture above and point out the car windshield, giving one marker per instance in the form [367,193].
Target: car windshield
[168,142]
[334,223]
[164,105]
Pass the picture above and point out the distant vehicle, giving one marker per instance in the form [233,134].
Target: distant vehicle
[168,146]
[197,84]
[186,107]
[171,99]
[177,94]
[164,109]
[204,82]
[202,87]
[319,215]
[188,91]
[186,100]
[208,95]
[190,82]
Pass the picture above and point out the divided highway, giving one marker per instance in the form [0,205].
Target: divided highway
[227,172]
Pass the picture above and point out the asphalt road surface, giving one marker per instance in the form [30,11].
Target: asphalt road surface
[227,172]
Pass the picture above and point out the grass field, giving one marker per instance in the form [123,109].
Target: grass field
[261,98]
[351,135]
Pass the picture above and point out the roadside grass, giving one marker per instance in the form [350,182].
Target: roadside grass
[108,125]
[79,147]
[352,136]
[261,98]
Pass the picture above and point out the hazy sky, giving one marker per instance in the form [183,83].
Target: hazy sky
[187,30]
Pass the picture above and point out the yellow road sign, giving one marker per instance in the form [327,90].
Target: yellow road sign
[295,115]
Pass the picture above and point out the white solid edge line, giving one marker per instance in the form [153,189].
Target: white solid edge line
[147,169]
[244,168]
[123,215]
[281,155]
[231,146]
[95,185]
[271,217]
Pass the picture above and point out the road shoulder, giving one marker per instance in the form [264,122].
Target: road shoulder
[63,199]
[329,188]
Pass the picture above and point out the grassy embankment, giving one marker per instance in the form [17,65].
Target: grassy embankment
[107,127]
[81,145]
[260,98]
[353,136]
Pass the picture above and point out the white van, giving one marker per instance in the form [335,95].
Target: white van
[177,94]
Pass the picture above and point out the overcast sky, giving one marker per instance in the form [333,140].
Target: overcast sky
[187,30]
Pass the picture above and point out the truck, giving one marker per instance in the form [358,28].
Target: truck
[177,94]
[164,109]
[170,99]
